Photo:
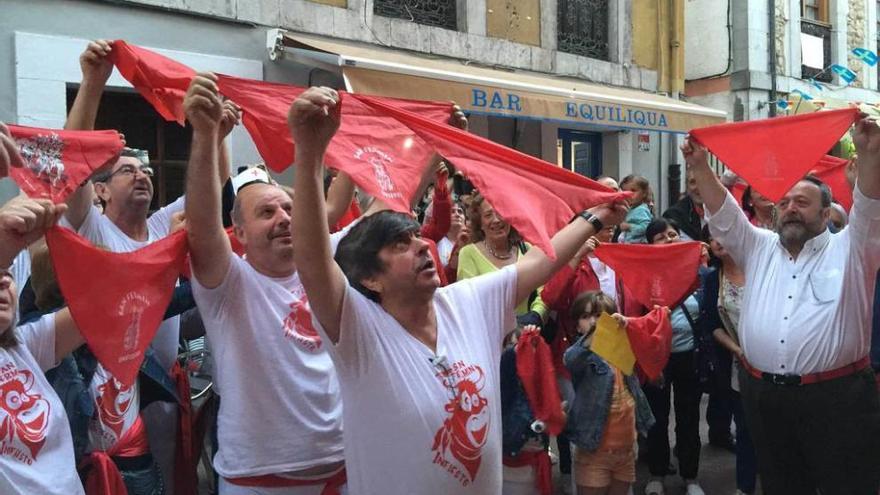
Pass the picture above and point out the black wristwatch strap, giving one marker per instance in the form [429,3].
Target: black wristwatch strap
[593,219]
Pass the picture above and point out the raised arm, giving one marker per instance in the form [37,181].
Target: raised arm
[339,198]
[866,137]
[96,69]
[208,243]
[23,221]
[313,119]
[535,268]
[710,186]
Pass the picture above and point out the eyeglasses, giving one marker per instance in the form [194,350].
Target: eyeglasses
[131,171]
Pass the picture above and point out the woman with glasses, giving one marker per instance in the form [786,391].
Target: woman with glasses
[680,374]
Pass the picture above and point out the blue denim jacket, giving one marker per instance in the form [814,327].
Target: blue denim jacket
[593,381]
[516,414]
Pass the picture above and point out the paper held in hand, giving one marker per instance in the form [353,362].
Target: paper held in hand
[611,343]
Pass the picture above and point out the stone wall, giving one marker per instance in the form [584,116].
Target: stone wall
[356,22]
[856,36]
[783,17]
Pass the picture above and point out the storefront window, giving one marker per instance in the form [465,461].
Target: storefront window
[438,13]
[582,28]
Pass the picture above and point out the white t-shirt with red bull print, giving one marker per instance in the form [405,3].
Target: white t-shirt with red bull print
[281,410]
[36,448]
[117,407]
[418,421]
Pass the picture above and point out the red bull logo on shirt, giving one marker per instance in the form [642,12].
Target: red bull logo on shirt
[24,415]
[458,444]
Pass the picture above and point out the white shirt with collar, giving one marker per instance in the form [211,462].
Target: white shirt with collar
[812,313]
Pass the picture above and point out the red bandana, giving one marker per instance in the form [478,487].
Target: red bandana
[56,162]
[773,154]
[650,338]
[381,155]
[160,80]
[832,171]
[657,274]
[534,366]
[119,316]
[535,197]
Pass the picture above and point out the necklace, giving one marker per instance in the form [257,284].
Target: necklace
[499,256]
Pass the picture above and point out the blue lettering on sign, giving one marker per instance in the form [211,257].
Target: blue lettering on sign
[501,100]
[479,97]
[497,100]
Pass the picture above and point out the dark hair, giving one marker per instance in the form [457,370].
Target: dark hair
[658,226]
[358,253]
[591,302]
[476,219]
[823,189]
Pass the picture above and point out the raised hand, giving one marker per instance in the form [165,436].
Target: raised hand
[9,155]
[313,119]
[95,63]
[23,221]
[610,213]
[202,104]
[866,137]
[458,118]
[231,118]
[694,154]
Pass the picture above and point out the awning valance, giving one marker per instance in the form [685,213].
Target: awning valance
[381,71]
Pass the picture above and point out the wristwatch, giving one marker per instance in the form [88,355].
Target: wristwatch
[593,219]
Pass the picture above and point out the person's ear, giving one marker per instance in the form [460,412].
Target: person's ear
[102,191]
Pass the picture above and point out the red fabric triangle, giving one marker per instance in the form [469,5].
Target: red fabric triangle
[773,154]
[119,315]
[534,367]
[160,80]
[382,156]
[56,162]
[832,171]
[656,274]
[537,198]
[650,338]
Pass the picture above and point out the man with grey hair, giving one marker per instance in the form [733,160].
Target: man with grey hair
[125,189]
[808,391]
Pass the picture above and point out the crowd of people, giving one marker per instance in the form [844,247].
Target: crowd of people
[361,350]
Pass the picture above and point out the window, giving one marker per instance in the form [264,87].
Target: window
[438,13]
[815,10]
[582,27]
[167,142]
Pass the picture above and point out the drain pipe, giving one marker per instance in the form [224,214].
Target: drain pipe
[771,8]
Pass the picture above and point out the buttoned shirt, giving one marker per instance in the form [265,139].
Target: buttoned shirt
[811,313]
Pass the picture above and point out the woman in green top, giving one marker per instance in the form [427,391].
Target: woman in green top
[496,245]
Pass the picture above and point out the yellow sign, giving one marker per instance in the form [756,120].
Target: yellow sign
[611,344]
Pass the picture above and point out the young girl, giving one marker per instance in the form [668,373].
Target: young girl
[608,407]
[639,215]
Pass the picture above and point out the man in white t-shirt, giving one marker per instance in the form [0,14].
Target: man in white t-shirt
[126,191]
[280,419]
[36,448]
[417,365]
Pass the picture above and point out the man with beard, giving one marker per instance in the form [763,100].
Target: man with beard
[417,364]
[809,394]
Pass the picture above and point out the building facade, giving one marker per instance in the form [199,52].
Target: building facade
[591,85]
[738,61]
